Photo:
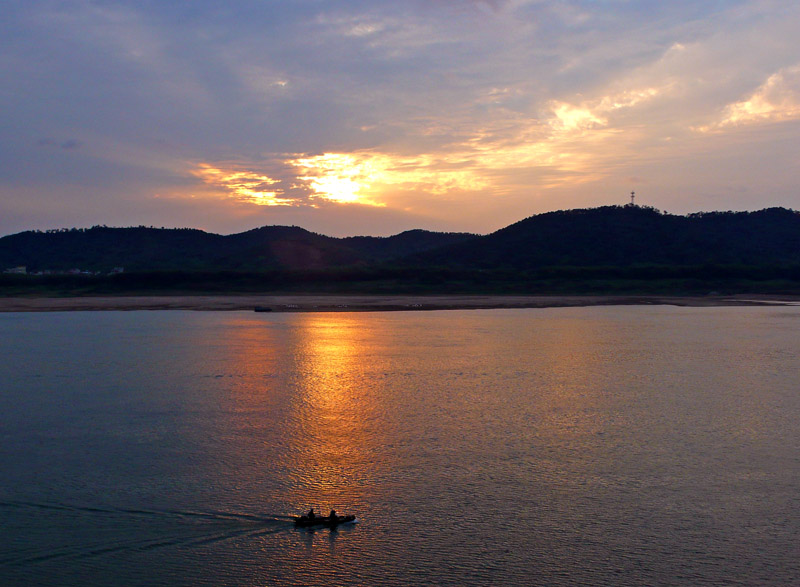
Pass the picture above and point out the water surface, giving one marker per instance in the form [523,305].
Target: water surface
[604,445]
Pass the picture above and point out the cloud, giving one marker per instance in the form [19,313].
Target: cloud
[569,118]
[776,100]
[567,146]
[360,177]
[243,185]
[471,112]
[66,144]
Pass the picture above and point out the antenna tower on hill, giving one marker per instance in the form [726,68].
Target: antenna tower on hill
[633,195]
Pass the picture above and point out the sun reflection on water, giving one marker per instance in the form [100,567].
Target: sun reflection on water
[334,411]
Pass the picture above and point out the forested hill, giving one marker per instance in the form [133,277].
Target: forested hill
[158,249]
[613,236]
[625,236]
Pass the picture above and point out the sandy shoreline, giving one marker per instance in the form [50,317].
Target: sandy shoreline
[359,303]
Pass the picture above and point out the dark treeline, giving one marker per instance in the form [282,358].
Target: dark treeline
[632,235]
[699,279]
[610,249]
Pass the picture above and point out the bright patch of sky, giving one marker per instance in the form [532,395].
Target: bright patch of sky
[376,117]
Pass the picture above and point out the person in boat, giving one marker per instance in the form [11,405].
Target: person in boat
[332,516]
[311,515]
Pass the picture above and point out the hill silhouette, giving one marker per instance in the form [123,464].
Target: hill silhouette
[141,248]
[612,248]
[624,236]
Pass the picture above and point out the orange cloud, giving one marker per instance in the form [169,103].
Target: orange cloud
[362,176]
[569,147]
[246,185]
[777,99]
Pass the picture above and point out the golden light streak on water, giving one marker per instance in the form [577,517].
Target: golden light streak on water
[335,412]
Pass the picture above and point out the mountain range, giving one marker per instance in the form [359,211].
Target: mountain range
[101,248]
[611,236]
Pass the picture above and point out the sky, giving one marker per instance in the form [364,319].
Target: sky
[375,117]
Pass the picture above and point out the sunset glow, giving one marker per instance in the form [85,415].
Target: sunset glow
[242,185]
[345,118]
[338,177]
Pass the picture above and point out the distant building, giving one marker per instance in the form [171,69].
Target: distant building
[21,270]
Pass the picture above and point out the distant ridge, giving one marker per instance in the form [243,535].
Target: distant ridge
[623,236]
[611,236]
[102,248]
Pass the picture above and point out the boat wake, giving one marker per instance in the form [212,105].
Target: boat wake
[154,528]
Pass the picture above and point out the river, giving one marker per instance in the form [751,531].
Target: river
[625,445]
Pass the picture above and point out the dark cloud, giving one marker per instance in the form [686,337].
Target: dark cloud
[67,144]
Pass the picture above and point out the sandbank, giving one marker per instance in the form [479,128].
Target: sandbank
[360,303]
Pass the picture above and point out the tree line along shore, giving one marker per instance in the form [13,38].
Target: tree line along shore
[612,250]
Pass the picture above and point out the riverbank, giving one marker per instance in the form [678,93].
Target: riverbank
[359,303]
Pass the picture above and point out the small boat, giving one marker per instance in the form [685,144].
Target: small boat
[263,309]
[323,521]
